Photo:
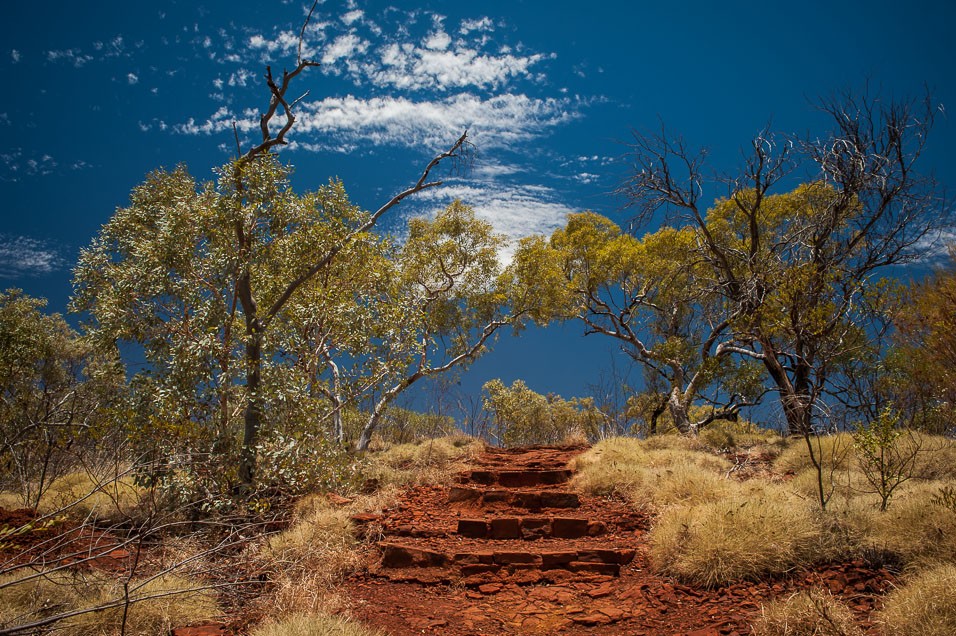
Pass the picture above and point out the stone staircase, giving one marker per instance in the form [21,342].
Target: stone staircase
[512,519]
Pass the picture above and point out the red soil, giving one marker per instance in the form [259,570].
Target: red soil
[425,577]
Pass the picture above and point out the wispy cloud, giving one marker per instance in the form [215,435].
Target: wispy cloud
[15,56]
[21,256]
[440,80]
[341,123]
[514,209]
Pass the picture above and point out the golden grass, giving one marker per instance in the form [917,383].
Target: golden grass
[86,495]
[428,461]
[741,537]
[724,434]
[834,451]
[811,613]
[914,529]
[159,605]
[652,475]
[313,624]
[924,606]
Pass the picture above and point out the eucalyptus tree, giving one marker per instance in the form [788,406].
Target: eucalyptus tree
[452,296]
[52,389]
[794,266]
[653,295]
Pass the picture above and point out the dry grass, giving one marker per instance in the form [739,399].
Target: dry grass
[652,475]
[811,613]
[925,606]
[313,624]
[167,602]
[88,496]
[432,461]
[914,529]
[307,560]
[835,451]
[742,537]
[723,434]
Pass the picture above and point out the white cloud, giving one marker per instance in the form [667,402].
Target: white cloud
[499,121]
[132,78]
[22,256]
[410,67]
[15,56]
[515,210]
[438,41]
[935,247]
[73,56]
[343,47]
[481,24]
[352,16]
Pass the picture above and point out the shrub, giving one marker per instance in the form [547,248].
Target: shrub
[924,606]
[305,624]
[811,613]
[168,601]
[915,529]
[737,538]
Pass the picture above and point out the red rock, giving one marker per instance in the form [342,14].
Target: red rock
[597,528]
[399,556]
[337,500]
[490,588]
[558,499]
[473,528]
[611,569]
[507,558]
[463,493]
[505,528]
[558,559]
[605,589]
[535,527]
[569,527]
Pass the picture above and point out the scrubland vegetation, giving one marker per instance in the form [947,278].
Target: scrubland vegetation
[231,397]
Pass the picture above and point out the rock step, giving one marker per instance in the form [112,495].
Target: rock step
[516,478]
[606,561]
[534,500]
[529,528]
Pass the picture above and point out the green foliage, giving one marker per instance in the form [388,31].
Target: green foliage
[883,455]
[525,417]
[50,406]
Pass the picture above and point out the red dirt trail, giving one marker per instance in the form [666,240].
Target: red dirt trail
[511,549]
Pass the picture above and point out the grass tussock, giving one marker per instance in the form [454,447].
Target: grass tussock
[914,529]
[426,461]
[650,475]
[314,624]
[158,605]
[85,495]
[811,613]
[924,606]
[307,560]
[834,451]
[724,435]
[749,537]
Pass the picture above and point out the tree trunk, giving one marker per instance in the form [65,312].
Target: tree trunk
[678,410]
[253,410]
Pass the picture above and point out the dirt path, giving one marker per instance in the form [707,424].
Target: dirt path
[511,549]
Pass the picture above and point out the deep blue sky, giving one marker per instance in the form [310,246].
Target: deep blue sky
[96,96]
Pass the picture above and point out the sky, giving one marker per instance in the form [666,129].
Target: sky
[98,94]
